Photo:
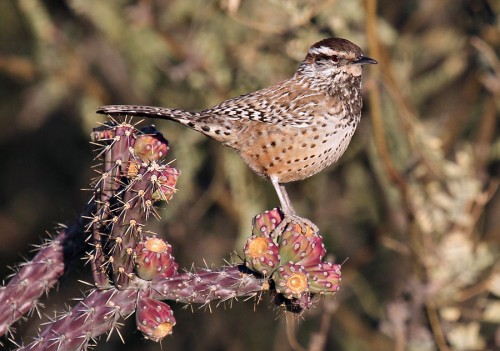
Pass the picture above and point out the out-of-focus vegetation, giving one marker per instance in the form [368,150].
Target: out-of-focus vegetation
[412,207]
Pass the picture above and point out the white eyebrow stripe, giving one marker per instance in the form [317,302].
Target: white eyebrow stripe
[322,50]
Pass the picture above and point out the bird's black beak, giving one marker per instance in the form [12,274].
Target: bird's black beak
[364,60]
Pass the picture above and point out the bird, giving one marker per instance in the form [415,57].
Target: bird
[288,131]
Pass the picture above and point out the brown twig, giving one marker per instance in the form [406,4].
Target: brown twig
[374,96]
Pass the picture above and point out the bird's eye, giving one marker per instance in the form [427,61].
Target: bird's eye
[326,58]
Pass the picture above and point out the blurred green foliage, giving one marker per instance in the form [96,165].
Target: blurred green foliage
[412,208]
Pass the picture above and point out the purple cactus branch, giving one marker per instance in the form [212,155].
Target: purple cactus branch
[206,285]
[99,313]
[36,277]
[102,310]
[136,273]
[132,179]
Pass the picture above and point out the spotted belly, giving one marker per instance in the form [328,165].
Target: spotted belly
[292,154]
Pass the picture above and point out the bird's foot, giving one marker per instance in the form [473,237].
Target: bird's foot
[306,225]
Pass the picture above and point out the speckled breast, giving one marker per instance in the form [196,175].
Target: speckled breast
[295,153]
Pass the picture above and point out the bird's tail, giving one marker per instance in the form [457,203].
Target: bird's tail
[198,121]
[181,116]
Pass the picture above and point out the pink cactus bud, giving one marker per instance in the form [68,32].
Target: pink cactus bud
[261,254]
[153,258]
[291,281]
[301,249]
[154,318]
[165,182]
[324,278]
[265,223]
[151,147]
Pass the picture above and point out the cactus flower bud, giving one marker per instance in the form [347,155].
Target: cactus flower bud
[291,281]
[154,318]
[165,184]
[264,223]
[153,258]
[324,278]
[151,147]
[261,254]
[303,249]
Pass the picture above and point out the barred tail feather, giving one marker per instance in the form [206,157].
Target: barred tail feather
[181,116]
[198,121]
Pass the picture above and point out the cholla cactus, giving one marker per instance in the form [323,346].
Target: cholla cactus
[261,250]
[126,198]
[291,280]
[151,146]
[324,278]
[293,259]
[135,272]
[264,224]
[261,254]
[301,248]
[31,280]
[154,318]
[153,257]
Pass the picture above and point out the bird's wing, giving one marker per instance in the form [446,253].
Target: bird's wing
[283,104]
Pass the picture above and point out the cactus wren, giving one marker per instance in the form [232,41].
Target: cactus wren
[288,131]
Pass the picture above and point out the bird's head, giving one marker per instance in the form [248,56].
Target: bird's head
[334,57]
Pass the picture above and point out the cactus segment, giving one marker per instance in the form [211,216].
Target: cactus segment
[291,257]
[291,281]
[264,224]
[153,258]
[151,147]
[324,278]
[261,254]
[304,249]
[154,318]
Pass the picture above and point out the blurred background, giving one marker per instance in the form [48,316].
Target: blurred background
[411,210]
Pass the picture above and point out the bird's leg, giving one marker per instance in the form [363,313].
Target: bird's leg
[289,213]
[286,206]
